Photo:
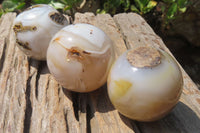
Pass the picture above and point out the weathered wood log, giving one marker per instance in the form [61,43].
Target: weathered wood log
[32,101]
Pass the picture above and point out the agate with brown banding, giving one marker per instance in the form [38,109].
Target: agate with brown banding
[79,60]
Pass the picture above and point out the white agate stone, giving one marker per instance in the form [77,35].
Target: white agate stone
[145,93]
[35,27]
[79,57]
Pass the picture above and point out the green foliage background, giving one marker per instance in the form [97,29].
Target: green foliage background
[169,8]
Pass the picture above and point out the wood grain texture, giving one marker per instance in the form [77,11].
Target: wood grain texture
[138,32]
[104,118]
[32,101]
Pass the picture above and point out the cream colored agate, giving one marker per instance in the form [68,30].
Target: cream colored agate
[148,93]
[79,57]
[35,27]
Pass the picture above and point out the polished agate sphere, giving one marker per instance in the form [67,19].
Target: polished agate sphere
[145,83]
[35,27]
[79,57]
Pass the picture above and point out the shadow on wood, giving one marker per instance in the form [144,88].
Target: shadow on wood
[41,66]
[181,120]
[32,101]
[97,100]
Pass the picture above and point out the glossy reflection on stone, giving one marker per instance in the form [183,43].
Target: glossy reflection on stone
[80,56]
[35,27]
[144,84]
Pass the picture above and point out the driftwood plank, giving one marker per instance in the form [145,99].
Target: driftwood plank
[104,117]
[12,101]
[32,101]
[138,32]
